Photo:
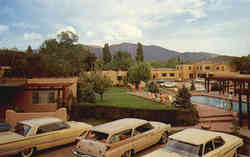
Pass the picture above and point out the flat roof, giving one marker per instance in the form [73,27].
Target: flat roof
[194,136]
[119,125]
[35,122]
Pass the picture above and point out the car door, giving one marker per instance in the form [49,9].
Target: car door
[142,137]
[48,136]
[120,143]
[221,150]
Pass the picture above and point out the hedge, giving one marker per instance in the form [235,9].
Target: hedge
[175,117]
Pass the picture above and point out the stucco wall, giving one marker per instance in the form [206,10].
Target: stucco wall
[12,117]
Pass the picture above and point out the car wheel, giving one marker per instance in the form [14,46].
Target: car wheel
[27,152]
[164,138]
[127,154]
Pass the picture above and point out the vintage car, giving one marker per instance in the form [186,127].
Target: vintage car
[199,143]
[40,133]
[121,138]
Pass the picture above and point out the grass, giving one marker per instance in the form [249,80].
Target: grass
[118,97]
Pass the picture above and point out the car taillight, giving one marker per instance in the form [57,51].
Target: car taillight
[78,139]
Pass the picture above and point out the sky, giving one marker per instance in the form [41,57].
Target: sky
[216,26]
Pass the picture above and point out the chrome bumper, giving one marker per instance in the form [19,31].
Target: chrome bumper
[79,153]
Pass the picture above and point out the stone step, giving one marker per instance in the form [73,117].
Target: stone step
[216,119]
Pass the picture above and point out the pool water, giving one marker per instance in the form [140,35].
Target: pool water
[218,102]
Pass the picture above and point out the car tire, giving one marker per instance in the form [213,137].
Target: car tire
[28,152]
[127,154]
[164,138]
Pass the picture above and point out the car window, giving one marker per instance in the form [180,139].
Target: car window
[52,127]
[143,128]
[201,150]
[96,136]
[209,147]
[120,136]
[22,129]
[218,142]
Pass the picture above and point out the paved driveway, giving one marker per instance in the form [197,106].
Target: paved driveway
[65,151]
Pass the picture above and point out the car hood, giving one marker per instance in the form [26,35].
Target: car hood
[162,152]
[8,136]
[92,147]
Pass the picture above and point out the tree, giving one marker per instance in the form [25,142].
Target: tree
[100,83]
[106,54]
[29,50]
[139,53]
[121,60]
[183,98]
[67,38]
[138,72]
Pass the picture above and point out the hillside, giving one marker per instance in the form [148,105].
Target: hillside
[153,52]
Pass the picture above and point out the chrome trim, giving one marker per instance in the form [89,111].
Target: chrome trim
[79,153]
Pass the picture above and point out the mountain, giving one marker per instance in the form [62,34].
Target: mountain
[153,52]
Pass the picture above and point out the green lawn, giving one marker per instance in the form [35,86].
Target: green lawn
[118,97]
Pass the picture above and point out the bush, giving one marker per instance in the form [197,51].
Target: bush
[87,94]
[153,88]
[183,98]
[192,88]
[215,87]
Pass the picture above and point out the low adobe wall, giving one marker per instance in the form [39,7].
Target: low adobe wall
[175,117]
[12,117]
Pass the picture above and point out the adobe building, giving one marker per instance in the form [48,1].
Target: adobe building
[36,94]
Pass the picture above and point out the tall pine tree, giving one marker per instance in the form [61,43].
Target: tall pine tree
[139,53]
[106,54]
[29,50]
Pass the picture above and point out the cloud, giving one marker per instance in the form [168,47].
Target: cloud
[67,28]
[32,36]
[4,28]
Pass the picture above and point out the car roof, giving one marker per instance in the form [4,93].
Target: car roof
[195,136]
[36,122]
[119,125]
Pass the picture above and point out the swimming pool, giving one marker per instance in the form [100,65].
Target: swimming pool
[218,102]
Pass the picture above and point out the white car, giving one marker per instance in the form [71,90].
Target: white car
[199,143]
[168,84]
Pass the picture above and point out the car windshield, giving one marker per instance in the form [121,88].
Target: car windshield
[22,129]
[97,136]
[184,149]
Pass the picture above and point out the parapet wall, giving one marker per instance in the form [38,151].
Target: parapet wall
[13,117]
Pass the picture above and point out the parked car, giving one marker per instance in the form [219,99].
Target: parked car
[168,84]
[4,127]
[40,133]
[199,143]
[121,138]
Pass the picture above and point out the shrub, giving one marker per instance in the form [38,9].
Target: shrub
[192,88]
[215,87]
[183,98]
[153,88]
[87,94]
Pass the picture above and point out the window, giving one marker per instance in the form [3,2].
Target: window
[172,74]
[209,147]
[177,68]
[52,127]
[207,67]
[119,78]
[121,136]
[190,68]
[222,68]
[43,97]
[164,74]
[197,68]
[143,128]
[200,67]
[201,150]
[22,129]
[217,68]
[218,142]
